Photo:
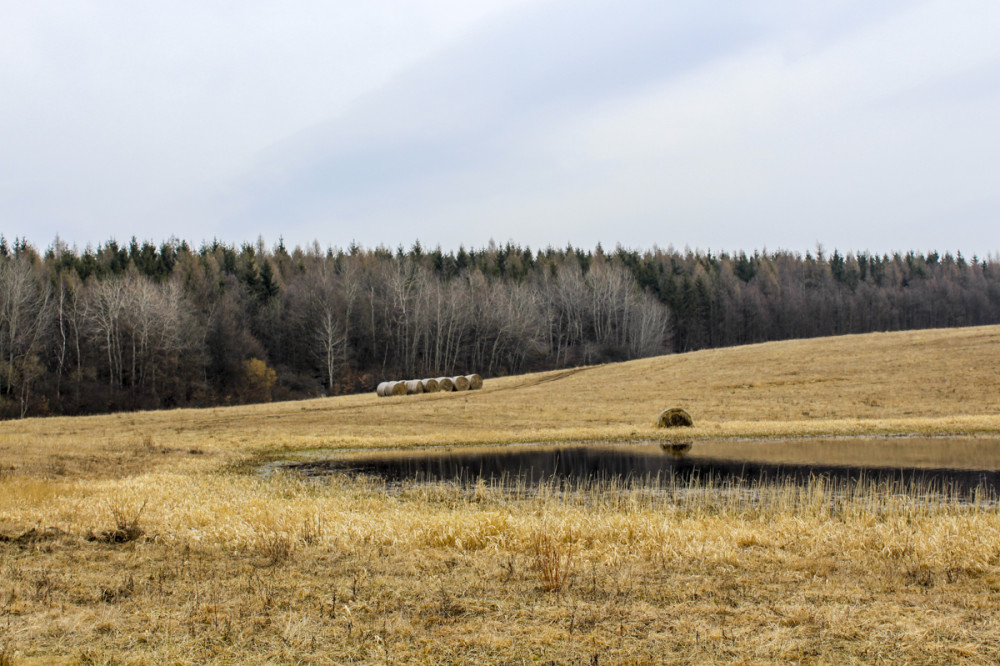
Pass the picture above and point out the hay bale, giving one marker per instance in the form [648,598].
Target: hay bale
[445,384]
[385,389]
[674,417]
[396,388]
[475,382]
[413,387]
[461,383]
[430,385]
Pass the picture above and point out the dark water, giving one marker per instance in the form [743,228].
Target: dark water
[960,465]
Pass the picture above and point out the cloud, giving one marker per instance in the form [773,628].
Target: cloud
[461,125]
[124,118]
[645,122]
[735,125]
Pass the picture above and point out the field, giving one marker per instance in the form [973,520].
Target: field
[152,538]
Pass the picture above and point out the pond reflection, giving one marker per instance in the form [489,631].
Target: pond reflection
[957,464]
[676,449]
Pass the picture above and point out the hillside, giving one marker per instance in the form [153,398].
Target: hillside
[149,538]
[919,381]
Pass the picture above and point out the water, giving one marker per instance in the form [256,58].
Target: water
[956,464]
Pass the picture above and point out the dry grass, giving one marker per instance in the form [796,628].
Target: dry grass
[232,567]
[436,573]
[125,516]
[551,560]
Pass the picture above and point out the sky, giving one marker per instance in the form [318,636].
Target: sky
[723,126]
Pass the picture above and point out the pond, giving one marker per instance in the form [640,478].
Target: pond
[956,464]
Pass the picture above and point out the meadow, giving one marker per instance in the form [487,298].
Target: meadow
[153,538]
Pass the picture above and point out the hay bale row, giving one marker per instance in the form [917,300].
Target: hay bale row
[414,386]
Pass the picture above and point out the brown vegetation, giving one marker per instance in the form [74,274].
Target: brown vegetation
[226,565]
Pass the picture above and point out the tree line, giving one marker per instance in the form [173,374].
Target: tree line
[139,325]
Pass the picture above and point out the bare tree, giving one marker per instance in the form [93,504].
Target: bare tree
[612,297]
[66,305]
[330,344]
[649,330]
[25,316]
[104,313]
[567,316]
[137,323]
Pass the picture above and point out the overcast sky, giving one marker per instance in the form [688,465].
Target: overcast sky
[727,125]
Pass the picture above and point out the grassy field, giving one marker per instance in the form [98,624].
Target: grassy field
[149,537]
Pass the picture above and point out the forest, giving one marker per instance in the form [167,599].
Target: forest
[146,326]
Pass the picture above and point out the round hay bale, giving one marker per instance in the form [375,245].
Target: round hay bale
[380,391]
[461,383]
[413,387]
[674,417]
[430,385]
[396,388]
[445,384]
[475,382]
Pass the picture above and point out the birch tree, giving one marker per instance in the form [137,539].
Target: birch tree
[25,316]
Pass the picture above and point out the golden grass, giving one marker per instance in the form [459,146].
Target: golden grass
[287,569]
[233,567]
